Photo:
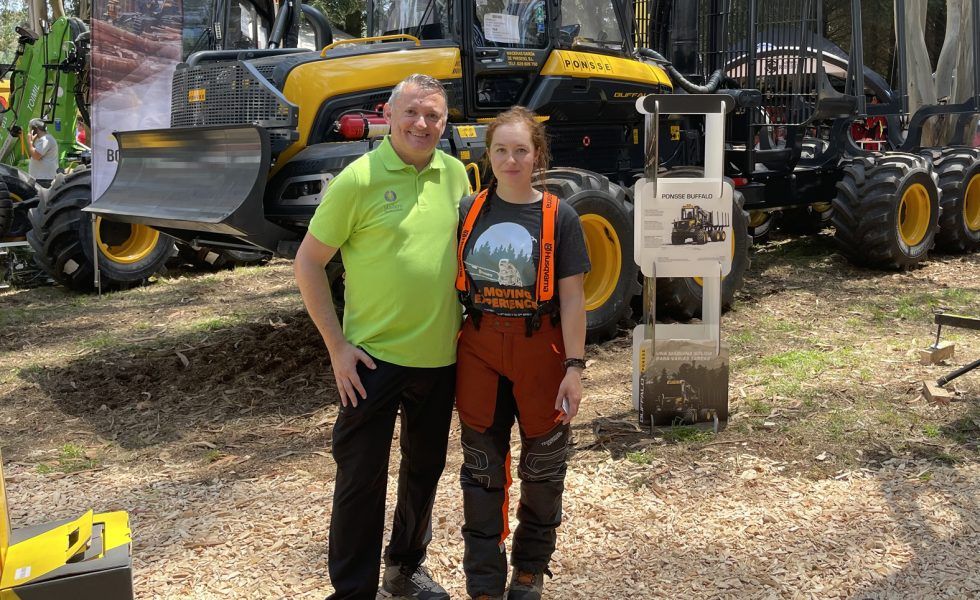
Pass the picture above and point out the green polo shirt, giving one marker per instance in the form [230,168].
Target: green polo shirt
[396,230]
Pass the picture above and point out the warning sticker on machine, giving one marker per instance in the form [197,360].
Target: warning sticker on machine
[521,59]
[501,28]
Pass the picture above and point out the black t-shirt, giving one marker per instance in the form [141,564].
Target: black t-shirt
[501,254]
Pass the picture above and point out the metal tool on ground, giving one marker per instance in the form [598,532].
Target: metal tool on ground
[934,391]
[963,322]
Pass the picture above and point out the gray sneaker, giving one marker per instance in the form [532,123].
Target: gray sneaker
[525,586]
[402,582]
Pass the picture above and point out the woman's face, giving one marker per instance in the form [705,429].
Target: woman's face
[513,155]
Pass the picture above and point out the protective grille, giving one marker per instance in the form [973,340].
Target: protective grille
[225,94]
[776,54]
[266,70]
[769,46]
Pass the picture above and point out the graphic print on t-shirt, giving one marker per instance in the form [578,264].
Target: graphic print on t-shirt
[501,265]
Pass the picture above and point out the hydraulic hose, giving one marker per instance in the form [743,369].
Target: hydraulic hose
[717,79]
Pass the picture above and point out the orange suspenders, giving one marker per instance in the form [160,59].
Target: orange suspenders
[545,288]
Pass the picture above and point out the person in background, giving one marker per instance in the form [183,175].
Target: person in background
[43,164]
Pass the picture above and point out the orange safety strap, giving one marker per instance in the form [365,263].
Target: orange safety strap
[546,262]
[545,288]
[462,281]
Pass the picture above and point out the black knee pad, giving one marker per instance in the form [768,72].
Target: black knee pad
[484,459]
[545,458]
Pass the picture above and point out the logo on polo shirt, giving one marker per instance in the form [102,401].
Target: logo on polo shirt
[391,201]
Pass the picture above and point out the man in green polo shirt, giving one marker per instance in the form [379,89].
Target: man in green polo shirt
[393,215]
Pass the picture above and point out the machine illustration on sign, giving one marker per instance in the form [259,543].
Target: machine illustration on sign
[699,226]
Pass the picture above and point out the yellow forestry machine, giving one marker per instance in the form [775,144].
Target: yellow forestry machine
[257,136]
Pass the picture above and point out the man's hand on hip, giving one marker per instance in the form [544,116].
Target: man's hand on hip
[344,361]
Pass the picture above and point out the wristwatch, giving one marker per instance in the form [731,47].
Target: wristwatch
[574,362]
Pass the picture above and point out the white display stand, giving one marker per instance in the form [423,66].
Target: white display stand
[683,228]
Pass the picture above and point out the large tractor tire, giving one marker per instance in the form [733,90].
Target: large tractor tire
[6,211]
[19,195]
[61,236]
[959,180]
[680,298]
[607,222]
[886,211]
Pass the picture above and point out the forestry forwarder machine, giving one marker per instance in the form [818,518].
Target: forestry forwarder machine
[697,225]
[892,197]
[255,138]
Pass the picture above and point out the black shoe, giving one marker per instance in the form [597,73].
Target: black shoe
[525,586]
[402,582]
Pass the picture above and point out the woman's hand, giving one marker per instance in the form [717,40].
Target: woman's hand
[570,390]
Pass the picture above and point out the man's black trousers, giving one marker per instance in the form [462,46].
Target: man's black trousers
[361,446]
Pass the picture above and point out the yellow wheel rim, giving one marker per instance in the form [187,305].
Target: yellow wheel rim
[606,256]
[124,243]
[913,214]
[971,205]
[758,217]
[821,207]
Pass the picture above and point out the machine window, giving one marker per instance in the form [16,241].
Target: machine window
[428,19]
[589,23]
[245,29]
[511,23]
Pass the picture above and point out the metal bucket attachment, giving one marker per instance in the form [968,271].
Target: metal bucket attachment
[183,181]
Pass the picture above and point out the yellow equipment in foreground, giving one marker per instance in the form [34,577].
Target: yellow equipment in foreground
[87,558]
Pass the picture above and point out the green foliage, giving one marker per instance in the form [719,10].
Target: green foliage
[346,15]
[212,455]
[216,323]
[71,458]
[687,433]
[100,341]
[640,457]
[12,13]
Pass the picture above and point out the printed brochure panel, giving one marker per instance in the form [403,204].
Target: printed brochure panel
[134,54]
[684,383]
[683,227]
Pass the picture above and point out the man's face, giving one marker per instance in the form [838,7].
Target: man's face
[417,118]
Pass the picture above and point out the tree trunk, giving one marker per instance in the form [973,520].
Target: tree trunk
[950,53]
[963,84]
[920,85]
